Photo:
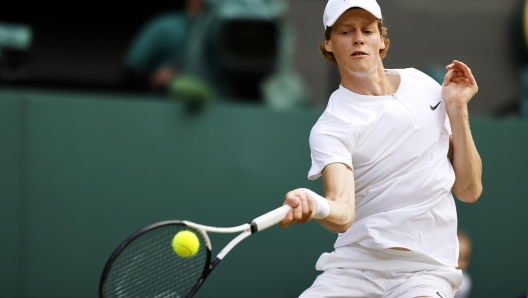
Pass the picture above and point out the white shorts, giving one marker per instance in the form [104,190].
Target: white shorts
[356,271]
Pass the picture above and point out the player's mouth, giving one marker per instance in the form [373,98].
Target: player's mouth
[359,54]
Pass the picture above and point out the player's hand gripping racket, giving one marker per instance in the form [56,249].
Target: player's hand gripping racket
[146,266]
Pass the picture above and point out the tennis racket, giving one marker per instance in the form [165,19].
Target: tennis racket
[146,266]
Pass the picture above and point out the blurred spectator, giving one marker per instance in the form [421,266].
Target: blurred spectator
[15,47]
[521,30]
[521,27]
[158,51]
[524,93]
[235,49]
[463,262]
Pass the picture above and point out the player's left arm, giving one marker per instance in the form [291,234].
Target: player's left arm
[458,88]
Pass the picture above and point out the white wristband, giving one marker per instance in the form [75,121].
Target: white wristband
[323,208]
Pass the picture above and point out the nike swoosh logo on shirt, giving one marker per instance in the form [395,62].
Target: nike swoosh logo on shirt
[434,108]
[437,292]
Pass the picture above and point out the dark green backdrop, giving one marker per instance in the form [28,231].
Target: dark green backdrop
[79,173]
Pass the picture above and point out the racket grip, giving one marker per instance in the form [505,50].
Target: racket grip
[271,218]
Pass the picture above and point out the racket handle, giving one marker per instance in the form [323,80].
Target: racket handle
[269,219]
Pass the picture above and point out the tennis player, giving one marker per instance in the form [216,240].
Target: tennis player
[392,146]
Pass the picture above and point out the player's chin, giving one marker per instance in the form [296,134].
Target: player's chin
[359,64]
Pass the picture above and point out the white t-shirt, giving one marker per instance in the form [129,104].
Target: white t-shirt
[397,148]
[465,287]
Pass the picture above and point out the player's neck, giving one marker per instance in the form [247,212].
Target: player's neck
[374,83]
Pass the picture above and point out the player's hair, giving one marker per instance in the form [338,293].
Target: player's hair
[330,56]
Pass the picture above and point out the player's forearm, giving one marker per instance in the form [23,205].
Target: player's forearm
[466,160]
[340,218]
[339,188]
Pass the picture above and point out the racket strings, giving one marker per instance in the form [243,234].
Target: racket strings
[148,267]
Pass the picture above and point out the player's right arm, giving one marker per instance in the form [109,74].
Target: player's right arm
[338,180]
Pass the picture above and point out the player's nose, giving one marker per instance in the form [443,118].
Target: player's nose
[359,42]
[358,38]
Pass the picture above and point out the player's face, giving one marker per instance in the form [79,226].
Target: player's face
[356,41]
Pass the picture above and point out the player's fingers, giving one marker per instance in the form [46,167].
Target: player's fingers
[305,208]
[450,75]
[458,70]
[308,209]
[467,72]
[460,64]
[297,211]
[287,219]
[462,81]
[292,199]
[462,68]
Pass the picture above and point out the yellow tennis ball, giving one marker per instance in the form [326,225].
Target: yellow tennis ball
[185,244]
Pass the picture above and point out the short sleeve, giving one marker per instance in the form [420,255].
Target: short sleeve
[329,143]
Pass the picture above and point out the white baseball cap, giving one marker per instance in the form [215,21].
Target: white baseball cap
[335,8]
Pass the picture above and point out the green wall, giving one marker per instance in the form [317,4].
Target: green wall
[498,223]
[79,173]
[12,198]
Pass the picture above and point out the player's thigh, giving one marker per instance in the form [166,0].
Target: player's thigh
[424,285]
[334,283]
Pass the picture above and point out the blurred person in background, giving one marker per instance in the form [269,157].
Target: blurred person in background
[16,42]
[521,28]
[238,50]
[157,52]
[464,257]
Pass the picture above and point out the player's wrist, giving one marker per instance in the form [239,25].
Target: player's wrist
[323,207]
[457,111]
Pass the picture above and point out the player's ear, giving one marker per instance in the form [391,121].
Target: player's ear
[382,46]
[328,46]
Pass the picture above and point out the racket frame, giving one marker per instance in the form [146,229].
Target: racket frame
[258,224]
[136,235]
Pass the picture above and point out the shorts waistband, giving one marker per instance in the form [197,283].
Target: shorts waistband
[387,253]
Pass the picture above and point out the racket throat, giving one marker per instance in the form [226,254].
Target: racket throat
[212,266]
[253,226]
